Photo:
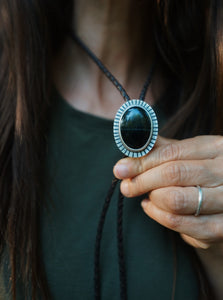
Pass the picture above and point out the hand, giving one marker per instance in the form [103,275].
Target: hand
[169,175]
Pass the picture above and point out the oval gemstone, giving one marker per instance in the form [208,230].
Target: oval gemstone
[135,128]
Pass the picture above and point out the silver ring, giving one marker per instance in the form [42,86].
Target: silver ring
[200,200]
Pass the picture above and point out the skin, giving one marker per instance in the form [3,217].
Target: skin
[170,173]
[107,28]
[168,176]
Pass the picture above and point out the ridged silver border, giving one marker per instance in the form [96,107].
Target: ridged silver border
[154,129]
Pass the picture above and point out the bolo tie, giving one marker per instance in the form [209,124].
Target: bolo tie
[135,131]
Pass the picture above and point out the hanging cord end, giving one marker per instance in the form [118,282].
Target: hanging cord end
[121,260]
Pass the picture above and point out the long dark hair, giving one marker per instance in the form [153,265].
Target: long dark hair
[189,45]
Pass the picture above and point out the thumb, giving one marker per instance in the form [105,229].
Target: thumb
[130,167]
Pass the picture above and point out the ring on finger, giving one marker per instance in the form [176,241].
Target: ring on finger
[200,200]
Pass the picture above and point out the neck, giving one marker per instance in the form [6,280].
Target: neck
[115,31]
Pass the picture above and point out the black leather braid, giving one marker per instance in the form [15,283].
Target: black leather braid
[147,83]
[97,281]
[109,74]
[121,260]
[122,271]
[174,245]
[101,66]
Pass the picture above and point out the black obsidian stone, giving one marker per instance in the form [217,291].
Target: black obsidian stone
[135,127]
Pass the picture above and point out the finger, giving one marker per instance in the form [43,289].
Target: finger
[161,141]
[207,229]
[184,200]
[198,148]
[127,166]
[178,173]
[194,242]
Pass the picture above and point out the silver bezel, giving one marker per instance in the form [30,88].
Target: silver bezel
[154,129]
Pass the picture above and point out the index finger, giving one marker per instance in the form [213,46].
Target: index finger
[166,150]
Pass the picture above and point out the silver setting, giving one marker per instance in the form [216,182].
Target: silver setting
[154,129]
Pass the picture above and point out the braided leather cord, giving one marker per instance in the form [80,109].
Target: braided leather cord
[97,281]
[121,261]
[101,66]
[109,75]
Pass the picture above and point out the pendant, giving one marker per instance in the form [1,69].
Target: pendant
[135,128]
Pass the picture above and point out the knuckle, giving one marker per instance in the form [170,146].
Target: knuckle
[140,165]
[127,188]
[139,185]
[212,172]
[131,190]
[213,231]
[169,152]
[174,173]
[177,202]
[219,144]
[173,221]
[217,232]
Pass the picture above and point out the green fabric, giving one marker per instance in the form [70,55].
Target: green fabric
[80,158]
[81,155]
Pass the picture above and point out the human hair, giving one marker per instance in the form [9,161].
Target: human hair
[189,45]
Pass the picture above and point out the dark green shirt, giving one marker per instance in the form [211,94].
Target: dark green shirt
[80,158]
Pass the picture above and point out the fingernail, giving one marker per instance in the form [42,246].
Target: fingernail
[144,203]
[121,170]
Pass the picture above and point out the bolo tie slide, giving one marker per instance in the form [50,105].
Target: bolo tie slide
[135,131]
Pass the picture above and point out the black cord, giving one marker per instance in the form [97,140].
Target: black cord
[121,260]
[101,66]
[109,75]
[147,83]
[122,271]
[97,281]
[174,245]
